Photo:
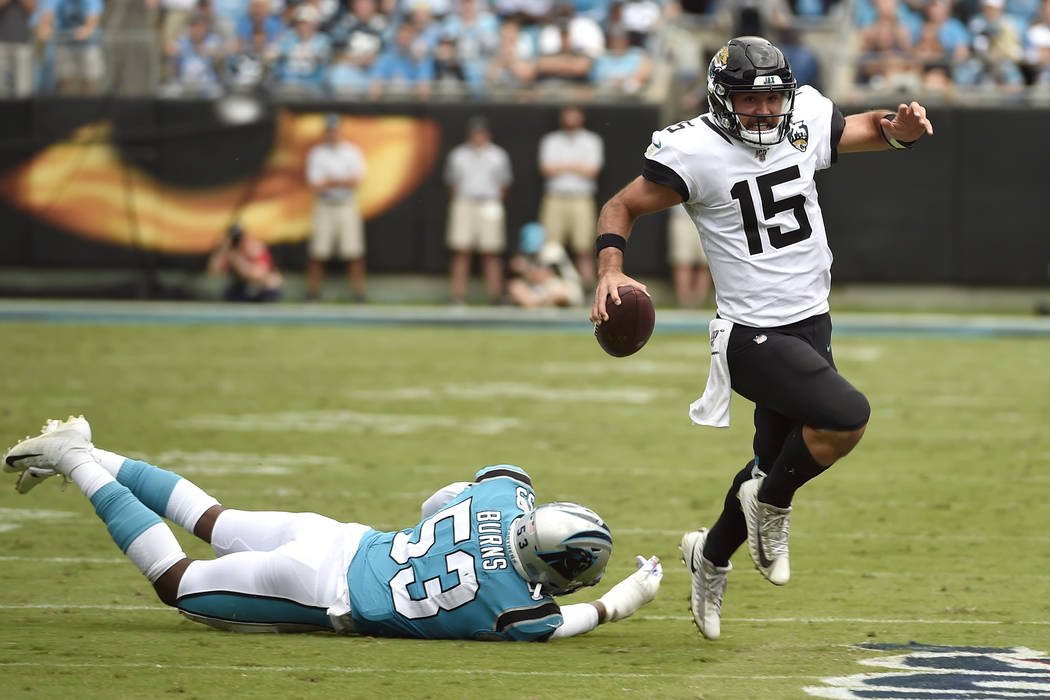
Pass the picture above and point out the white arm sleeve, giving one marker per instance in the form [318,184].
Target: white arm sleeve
[580,618]
[442,497]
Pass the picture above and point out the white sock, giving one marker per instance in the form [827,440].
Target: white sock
[187,503]
[155,551]
[89,475]
[110,461]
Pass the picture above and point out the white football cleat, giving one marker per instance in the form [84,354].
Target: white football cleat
[767,533]
[709,584]
[37,458]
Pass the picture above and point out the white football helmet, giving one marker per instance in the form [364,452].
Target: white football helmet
[561,547]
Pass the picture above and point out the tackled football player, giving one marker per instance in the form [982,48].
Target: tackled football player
[745,173]
[483,563]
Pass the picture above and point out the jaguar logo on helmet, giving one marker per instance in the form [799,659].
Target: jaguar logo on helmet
[722,57]
[751,64]
[800,136]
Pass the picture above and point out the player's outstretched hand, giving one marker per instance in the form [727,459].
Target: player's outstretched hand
[909,123]
[625,598]
[608,285]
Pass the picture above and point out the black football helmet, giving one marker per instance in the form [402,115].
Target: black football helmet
[750,64]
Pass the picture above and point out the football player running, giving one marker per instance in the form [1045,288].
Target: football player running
[482,564]
[744,172]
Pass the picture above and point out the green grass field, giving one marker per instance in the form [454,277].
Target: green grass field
[934,530]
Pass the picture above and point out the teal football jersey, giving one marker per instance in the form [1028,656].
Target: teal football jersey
[451,576]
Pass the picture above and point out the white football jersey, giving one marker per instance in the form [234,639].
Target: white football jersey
[756,209]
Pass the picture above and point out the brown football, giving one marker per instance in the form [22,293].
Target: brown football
[630,324]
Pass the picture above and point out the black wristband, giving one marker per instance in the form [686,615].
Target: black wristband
[610,240]
[894,143]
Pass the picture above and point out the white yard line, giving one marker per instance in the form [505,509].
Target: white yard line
[684,618]
[42,663]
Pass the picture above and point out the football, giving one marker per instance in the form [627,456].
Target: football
[630,324]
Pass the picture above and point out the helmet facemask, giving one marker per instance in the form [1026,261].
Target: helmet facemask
[750,65]
[561,547]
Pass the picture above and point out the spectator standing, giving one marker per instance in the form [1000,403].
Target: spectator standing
[334,169]
[16,48]
[73,26]
[690,273]
[570,160]
[249,266]
[478,175]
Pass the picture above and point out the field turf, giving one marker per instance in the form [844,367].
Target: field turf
[934,531]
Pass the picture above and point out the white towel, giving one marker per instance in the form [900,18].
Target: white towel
[713,407]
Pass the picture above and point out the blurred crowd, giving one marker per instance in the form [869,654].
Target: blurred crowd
[342,47]
[366,49]
[943,45]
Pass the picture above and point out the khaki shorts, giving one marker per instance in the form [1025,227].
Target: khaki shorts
[476,225]
[569,220]
[683,242]
[338,232]
[79,62]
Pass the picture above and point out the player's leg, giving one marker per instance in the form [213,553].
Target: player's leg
[227,530]
[730,530]
[135,528]
[791,372]
[292,588]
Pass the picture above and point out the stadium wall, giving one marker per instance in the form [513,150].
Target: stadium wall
[152,184]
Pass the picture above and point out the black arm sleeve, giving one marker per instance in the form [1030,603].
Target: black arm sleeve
[838,123]
[659,173]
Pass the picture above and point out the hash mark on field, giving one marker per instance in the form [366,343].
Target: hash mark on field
[333,421]
[513,390]
[400,670]
[69,560]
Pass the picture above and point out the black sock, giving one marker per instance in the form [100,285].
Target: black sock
[730,530]
[793,467]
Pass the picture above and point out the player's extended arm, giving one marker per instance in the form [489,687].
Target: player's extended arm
[617,217]
[872,131]
[623,600]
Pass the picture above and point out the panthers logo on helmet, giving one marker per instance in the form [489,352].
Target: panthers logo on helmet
[722,57]
[800,136]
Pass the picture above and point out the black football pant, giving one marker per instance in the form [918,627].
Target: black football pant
[789,373]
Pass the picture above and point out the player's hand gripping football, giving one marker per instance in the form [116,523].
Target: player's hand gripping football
[625,598]
[608,284]
[909,123]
